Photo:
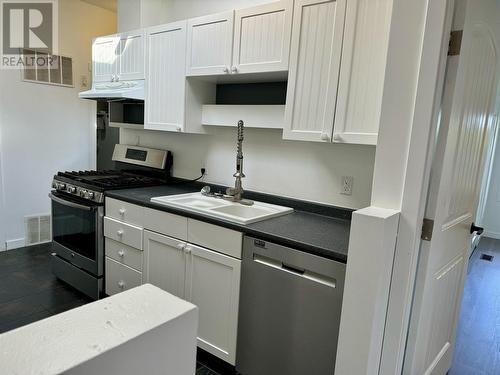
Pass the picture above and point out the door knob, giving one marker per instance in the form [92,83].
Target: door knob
[475,228]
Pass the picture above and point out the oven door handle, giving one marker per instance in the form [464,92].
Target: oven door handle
[69,203]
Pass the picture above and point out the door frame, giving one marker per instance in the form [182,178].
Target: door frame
[422,139]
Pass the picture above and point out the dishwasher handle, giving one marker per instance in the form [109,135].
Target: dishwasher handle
[300,272]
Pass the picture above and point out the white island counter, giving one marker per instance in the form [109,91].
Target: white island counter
[141,331]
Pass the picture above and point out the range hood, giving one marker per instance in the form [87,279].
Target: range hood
[115,90]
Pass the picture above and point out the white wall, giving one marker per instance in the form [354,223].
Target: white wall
[305,170]
[302,170]
[45,129]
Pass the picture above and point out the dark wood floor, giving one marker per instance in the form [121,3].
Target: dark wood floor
[30,292]
[477,350]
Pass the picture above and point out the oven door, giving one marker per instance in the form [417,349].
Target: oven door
[77,227]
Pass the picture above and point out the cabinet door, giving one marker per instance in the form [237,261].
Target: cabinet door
[105,51]
[132,56]
[213,284]
[166,79]
[315,53]
[165,263]
[210,44]
[362,72]
[262,38]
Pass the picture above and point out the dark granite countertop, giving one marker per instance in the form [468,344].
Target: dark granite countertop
[312,228]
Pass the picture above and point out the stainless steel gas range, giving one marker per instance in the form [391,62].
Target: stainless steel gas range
[78,212]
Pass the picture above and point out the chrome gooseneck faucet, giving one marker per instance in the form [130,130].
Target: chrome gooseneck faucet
[235,193]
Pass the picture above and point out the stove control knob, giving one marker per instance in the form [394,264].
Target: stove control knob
[71,189]
[83,193]
[61,186]
[54,185]
[90,195]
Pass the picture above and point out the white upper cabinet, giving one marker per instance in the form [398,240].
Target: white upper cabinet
[315,55]
[262,38]
[105,51]
[210,44]
[119,57]
[364,55]
[165,92]
[131,62]
[259,42]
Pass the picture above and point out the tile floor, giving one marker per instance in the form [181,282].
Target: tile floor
[30,292]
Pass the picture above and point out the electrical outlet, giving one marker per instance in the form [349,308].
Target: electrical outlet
[347,182]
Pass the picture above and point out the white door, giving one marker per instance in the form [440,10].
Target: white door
[210,44]
[213,284]
[316,47]
[132,56]
[105,52]
[166,84]
[455,181]
[165,263]
[262,38]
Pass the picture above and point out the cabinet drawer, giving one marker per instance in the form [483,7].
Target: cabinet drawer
[120,277]
[123,233]
[223,240]
[123,211]
[165,223]
[124,254]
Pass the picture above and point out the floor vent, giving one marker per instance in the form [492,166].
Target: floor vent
[487,257]
[38,229]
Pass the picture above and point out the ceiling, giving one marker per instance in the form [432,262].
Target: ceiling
[106,4]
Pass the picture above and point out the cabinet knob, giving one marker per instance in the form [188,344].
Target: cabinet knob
[121,253]
[121,211]
[225,69]
[181,246]
[117,78]
[188,250]
[121,284]
[337,138]
[325,137]
[119,232]
[234,69]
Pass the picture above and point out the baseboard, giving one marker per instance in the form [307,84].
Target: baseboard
[15,244]
[495,235]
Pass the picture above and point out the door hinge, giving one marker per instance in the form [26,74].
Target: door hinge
[455,43]
[427,227]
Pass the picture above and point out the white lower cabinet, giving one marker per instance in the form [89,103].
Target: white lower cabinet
[165,263]
[208,279]
[213,284]
[120,277]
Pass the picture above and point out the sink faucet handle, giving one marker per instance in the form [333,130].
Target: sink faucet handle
[205,190]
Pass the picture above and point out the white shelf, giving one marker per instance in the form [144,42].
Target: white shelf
[254,116]
[125,125]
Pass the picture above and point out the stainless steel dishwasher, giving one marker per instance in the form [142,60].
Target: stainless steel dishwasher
[289,315]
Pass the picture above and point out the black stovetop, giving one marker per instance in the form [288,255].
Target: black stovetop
[113,179]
